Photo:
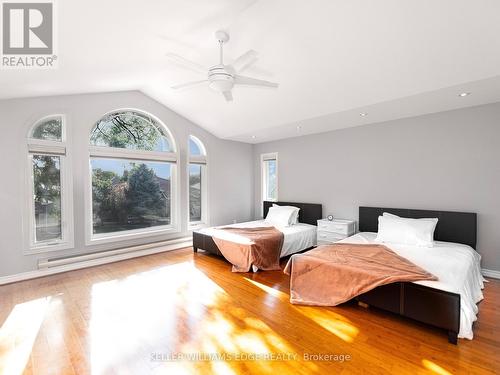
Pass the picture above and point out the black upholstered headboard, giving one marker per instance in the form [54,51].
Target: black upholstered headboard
[309,213]
[459,227]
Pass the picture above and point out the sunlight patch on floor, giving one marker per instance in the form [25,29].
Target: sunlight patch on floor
[333,322]
[18,334]
[221,329]
[272,291]
[230,330]
[177,368]
[435,368]
[143,309]
[222,368]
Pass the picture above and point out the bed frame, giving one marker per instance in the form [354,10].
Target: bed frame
[309,213]
[424,304]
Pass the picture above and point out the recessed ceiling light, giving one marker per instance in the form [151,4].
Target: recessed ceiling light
[299,127]
[254,136]
[363,114]
[462,94]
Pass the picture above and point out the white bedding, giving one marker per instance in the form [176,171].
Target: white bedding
[298,237]
[456,266]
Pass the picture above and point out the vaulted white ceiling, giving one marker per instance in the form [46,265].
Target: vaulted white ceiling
[333,59]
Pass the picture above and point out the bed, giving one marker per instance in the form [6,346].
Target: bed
[436,303]
[448,302]
[297,238]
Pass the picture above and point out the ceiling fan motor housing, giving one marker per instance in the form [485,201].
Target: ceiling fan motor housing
[220,78]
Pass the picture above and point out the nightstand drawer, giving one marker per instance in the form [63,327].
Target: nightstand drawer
[329,237]
[345,227]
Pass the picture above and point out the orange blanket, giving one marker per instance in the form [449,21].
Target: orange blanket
[332,274]
[260,246]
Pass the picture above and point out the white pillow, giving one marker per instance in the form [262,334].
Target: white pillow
[417,232]
[390,215]
[387,214]
[278,216]
[294,219]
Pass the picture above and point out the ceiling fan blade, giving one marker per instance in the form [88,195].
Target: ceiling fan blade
[188,84]
[242,80]
[245,60]
[185,63]
[228,95]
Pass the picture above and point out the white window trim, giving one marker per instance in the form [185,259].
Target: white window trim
[122,153]
[204,222]
[263,174]
[203,161]
[50,148]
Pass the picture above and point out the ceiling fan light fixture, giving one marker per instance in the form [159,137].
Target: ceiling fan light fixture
[221,85]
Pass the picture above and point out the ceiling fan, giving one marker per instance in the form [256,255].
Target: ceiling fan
[222,78]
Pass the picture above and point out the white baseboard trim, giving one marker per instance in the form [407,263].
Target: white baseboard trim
[46,271]
[491,273]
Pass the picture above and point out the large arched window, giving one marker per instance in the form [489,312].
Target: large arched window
[197,171]
[50,204]
[133,171]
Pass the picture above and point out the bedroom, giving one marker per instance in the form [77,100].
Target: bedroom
[112,177]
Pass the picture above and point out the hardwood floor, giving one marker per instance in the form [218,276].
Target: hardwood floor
[134,316]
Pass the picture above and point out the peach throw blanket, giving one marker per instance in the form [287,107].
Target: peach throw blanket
[261,246]
[332,274]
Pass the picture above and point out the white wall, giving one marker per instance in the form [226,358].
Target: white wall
[445,161]
[448,161]
[230,168]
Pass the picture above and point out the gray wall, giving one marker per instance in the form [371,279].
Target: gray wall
[448,161]
[230,168]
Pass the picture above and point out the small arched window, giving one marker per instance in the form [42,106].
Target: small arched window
[49,128]
[50,203]
[133,167]
[197,171]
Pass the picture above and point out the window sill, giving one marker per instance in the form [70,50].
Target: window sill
[130,235]
[40,249]
[196,225]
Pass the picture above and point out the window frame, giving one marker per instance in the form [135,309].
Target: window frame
[50,148]
[264,176]
[132,155]
[203,161]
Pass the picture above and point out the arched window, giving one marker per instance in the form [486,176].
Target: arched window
[50,203]
[133,170]
[49,129]
[197,171]
[131,130]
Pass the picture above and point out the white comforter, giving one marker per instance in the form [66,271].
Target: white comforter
[456,266]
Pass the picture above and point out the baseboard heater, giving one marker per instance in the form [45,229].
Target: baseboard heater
[108,256]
